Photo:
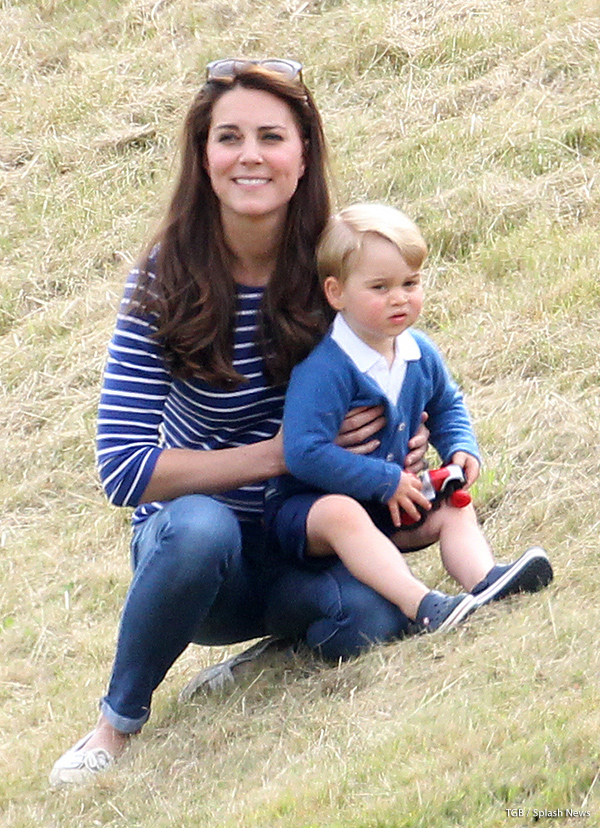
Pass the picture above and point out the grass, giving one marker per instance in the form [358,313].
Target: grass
[481,120]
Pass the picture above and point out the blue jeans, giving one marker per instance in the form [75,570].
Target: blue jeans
[201,576]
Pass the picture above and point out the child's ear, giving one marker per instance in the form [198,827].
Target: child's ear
[333,292]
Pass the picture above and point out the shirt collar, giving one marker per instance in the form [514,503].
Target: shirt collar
[364,357]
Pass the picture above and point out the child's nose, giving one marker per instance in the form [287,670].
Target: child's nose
[398,296]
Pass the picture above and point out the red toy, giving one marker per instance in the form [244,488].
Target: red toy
[445,483]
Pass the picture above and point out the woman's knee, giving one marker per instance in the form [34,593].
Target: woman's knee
[196,530]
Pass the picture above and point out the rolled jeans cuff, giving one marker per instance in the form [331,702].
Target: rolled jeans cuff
[122,723]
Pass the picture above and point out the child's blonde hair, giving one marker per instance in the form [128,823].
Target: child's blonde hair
[344,233]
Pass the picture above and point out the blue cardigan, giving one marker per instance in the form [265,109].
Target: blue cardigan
[327,384]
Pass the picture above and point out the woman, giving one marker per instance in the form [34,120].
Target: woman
[224,303]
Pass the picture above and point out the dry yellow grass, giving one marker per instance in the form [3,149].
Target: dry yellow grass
[481,120]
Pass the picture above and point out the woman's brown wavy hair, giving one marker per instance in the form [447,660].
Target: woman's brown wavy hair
[192,297]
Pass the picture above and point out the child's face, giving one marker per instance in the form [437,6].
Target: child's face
[382,295]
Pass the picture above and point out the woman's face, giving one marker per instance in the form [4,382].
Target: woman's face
[254,154]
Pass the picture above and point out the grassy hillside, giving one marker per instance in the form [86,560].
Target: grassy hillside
[482,121]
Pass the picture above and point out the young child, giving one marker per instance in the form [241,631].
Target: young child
[339,503]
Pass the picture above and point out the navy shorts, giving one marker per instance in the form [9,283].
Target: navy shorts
[285,521]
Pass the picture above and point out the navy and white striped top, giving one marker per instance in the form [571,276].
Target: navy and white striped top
[144,409]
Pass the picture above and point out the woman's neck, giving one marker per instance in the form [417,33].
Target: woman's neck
[255,246]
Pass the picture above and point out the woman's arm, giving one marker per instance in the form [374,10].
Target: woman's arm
[134,467]
[185,471]
[133,463]
[180,471]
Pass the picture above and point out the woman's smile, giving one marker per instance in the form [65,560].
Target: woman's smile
[250,182]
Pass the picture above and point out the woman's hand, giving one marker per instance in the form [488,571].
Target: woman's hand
[359,425]
[418,444]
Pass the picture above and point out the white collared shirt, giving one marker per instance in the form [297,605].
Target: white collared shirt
[371,362]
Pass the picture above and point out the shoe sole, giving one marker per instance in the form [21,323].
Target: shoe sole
[529,573]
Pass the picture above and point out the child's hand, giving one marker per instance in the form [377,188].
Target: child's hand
[469,465]
[405,497]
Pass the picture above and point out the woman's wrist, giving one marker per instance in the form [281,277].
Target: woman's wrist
[277,459]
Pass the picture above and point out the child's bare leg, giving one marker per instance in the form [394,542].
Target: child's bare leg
[468,557]
[338,524]
[466,554]
[465,551]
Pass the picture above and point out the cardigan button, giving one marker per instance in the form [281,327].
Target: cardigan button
[389,457]
[402,426]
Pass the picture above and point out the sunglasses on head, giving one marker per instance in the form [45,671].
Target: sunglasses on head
[229,67]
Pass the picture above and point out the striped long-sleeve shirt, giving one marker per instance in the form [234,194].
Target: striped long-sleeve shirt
[144,409]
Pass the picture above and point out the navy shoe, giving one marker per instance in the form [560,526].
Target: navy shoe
[530,573]
[438,611]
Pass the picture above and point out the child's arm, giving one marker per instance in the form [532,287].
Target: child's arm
[449,421]
[319,394]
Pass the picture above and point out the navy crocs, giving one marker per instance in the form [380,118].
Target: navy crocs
[529,573]
[438,611]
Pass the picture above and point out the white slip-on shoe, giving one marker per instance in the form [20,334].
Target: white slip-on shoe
[78,766]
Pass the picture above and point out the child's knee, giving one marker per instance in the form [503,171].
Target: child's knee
[338,510]
[457,515]
[336,507]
